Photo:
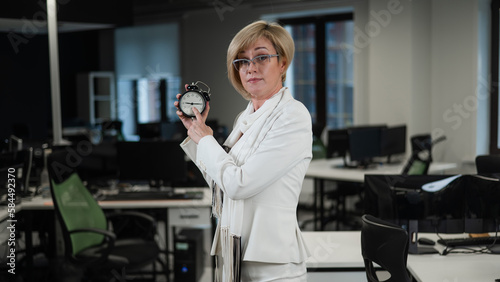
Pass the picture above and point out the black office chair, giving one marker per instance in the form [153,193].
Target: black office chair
[93,241]
[488,164]
[421,155]
[385,244]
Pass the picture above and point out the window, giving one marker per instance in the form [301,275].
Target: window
[321,74]
[494,114]
[146,100]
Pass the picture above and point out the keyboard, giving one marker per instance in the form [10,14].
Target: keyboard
[472,241]
[152,195]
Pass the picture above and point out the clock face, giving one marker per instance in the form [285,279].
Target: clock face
[189,100]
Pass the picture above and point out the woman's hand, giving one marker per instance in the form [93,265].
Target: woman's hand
[186,121]
[198,129]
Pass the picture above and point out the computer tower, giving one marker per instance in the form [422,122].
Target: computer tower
[188,255]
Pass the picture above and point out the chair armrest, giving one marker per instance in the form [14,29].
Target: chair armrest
[132,224]
[106,233]
[110,238]
[132,214]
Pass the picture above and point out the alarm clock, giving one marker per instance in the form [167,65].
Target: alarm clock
[194,97]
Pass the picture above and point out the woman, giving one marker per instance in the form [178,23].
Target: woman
[257,180]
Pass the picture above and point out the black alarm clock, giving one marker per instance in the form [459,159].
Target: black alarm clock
[194,97]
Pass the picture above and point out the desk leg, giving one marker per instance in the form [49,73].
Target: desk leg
[315,218]
[322,204]
[28,236]
[167,249]
[319,191]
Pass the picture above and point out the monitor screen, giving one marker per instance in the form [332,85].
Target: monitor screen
[16,166]
[398,199]
[15,143]
[393,140]
[364,143]
[440,203]
[338,143]
[482,203]
[161,163]
[150,130]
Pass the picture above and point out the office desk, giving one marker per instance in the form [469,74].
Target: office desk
[331,170]
[336,250]
[335,256]
[340,251]
[178,212]
[455,267]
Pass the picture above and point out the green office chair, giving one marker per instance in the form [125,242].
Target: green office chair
[92,240]
[386,245]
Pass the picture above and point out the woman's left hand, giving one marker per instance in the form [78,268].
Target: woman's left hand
[198,128]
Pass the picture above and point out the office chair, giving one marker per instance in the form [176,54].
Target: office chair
[421,155]
[92,240]
[386,245]
[488,164]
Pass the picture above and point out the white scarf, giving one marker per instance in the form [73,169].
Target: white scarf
[250,129]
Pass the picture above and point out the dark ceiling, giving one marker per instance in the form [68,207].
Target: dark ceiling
[132,12]
[144,9]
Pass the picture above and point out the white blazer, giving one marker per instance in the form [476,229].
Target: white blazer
[265,169]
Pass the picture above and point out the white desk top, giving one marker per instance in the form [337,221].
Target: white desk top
[453,266]
[342,249]
[331,169]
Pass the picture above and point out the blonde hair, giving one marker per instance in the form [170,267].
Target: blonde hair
[280,38]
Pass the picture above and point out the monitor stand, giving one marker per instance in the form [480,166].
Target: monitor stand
[414,247]
[363,165]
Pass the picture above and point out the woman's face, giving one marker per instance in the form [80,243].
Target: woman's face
[262,81]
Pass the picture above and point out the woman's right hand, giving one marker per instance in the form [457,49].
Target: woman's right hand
[188,121]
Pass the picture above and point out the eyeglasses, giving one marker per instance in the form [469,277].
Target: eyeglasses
[243,64]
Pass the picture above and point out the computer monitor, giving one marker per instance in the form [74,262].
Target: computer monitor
[163,131]
[15,143]
[435,203]
[393,141]
[151,130]
[338,143]
[161,163]
[15,170]
[400,198]
[364,144]
[482,204]
[403,200]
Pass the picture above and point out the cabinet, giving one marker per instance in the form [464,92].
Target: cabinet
[96,96]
